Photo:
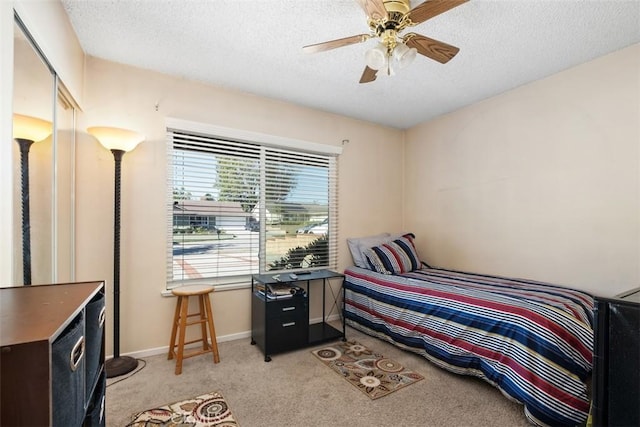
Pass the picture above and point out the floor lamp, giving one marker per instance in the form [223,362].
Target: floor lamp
[26,131]
[119,141]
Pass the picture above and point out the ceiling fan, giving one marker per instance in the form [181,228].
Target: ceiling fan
[387,19]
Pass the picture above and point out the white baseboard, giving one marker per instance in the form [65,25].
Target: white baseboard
[232,337]
[165,349]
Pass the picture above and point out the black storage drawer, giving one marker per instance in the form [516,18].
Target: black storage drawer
[287,332]
[279,325]
[68,374]
[289,306]
[94,330]
[96,410]
[287,324]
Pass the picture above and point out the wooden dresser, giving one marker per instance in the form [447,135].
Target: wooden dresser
[52,355]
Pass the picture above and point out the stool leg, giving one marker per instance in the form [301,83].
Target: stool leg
[184,312]
[203,325]
[174,329]
[212,329]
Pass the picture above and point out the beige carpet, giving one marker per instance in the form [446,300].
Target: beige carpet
[295,390]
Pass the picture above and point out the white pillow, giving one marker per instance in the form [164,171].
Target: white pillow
[357,245]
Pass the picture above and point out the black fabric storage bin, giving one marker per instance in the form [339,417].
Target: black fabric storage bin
[68,374]
[96,410]
[94,325]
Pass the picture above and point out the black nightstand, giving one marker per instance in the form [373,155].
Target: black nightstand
[616,360]
[282,323]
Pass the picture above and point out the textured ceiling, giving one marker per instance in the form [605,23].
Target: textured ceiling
[256,46]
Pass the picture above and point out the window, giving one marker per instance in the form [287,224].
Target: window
[239,207]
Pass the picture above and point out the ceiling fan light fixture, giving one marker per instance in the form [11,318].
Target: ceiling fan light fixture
[404,55]
[376,57]
[387,20]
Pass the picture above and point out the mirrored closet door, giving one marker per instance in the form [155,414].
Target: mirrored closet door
[44,208]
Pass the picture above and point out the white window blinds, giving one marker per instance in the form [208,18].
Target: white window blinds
[237,208]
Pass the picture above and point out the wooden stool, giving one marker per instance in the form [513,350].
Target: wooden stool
[180,323]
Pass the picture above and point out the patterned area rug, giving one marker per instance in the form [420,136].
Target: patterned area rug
[206,410]
[375,375]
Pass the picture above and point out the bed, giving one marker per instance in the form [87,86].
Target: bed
[531,340]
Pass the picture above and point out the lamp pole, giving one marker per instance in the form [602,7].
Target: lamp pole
[118,141]
[25,144]
[118,365]
[26,131]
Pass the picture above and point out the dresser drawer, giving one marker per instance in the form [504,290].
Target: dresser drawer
[287,307]
[287,332]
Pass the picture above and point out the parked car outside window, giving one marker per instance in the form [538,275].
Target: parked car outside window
[321,228]
[305,229]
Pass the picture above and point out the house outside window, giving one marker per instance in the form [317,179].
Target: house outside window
[238,207]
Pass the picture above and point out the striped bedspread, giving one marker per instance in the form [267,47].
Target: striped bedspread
[532,340]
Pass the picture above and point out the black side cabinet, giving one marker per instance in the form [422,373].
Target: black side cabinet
[279,325]
[616,367]
[282,324]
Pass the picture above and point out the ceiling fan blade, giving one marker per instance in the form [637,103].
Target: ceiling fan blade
[368,75]
[333,44]
[431,8]
[374,9]
[434,49]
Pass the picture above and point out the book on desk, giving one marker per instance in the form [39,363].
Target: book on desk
[280,290]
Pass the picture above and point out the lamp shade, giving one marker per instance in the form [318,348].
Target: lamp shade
[376,58]
[116,138]
[404,55]
[31,128]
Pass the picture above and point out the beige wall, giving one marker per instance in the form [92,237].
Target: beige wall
[122,96]
[539,182]
[49,25]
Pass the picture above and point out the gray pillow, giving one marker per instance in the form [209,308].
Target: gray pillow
[357,245]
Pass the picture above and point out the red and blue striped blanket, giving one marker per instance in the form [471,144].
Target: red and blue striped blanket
[532,340]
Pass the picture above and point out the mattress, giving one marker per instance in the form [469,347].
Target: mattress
[531,340]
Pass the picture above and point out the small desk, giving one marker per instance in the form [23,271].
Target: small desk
[282,323]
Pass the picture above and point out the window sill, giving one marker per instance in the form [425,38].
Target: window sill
[217,288]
